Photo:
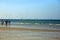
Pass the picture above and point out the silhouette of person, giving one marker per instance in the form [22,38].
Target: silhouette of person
[6,23]
[9,22]
[2,22]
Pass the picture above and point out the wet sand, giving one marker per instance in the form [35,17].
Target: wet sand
[30,38]
[29,29]
[28,34]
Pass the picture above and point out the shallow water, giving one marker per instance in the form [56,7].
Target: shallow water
[34,26]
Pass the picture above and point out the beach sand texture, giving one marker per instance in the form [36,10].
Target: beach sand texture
[28,34]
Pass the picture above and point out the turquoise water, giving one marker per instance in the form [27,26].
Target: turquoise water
[34,24]
[37,21]
[32,21]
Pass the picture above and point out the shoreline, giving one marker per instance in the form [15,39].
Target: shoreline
[29,29]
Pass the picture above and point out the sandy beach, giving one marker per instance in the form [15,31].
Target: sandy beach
[28,34]
[29,29]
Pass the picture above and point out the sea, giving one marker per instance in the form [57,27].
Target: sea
[29,35]
[32,23]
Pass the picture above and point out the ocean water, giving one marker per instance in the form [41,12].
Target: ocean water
[34,24]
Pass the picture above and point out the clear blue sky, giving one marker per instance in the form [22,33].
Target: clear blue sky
[30,9]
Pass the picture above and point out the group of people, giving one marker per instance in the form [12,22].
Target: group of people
[6,22]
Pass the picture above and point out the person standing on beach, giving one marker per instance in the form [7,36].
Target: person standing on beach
[9,22]
[6,23]
[2,22]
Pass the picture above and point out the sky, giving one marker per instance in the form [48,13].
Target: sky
[29,9]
